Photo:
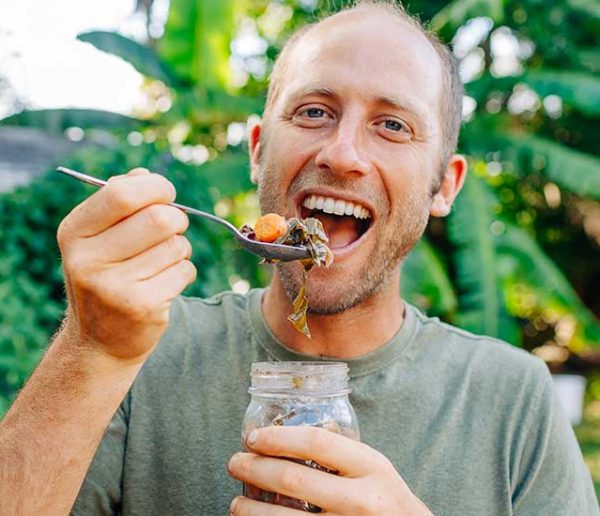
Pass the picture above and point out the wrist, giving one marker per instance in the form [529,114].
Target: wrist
[92,355]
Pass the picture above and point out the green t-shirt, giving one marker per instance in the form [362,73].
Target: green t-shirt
[470,423]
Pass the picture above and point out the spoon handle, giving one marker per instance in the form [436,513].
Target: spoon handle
[99,183]
[82,177]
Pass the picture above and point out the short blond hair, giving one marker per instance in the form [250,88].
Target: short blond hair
[450,105]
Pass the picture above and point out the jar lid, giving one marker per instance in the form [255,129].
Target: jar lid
[299,378]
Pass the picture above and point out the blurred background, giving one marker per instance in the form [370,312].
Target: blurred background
[103,87]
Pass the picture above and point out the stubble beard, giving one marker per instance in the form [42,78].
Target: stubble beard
[341,292]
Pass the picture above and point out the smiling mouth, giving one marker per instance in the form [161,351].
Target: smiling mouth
[344,221]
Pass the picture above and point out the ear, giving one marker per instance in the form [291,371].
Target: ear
[255,150]
[451,184]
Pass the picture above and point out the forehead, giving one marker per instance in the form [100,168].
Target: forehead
[370,53]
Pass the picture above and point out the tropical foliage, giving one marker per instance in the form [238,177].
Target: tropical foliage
[518,256]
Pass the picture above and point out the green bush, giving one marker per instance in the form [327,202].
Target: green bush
[31,281]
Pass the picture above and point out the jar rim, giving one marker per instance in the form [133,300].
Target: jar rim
[299,378]
[305,367]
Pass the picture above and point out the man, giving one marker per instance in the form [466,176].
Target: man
[363,108]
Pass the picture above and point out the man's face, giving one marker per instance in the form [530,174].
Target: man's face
[354,139]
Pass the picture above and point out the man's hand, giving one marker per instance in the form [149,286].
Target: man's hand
[124,260]
[367,483]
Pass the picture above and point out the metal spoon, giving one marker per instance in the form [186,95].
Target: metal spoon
[285,253]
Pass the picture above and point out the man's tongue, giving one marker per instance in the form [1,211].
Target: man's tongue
[341,230]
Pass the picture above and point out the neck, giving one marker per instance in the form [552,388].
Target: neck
[352,333]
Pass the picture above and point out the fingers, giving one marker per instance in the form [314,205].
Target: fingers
[121,197]
[156,259]
[334,451]
[242,506]
[139,232]
[169,283]
[290,479]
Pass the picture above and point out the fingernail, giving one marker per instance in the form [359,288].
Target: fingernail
[233,505]
[232,462]
[252,437]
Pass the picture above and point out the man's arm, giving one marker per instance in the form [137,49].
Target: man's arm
[124,261]
[49,436]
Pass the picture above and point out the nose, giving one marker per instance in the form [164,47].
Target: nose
[343,152]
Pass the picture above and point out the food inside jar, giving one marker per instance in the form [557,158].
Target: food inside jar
[298,232]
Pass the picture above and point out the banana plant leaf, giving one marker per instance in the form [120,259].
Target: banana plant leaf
[573,170]
[589,58]
[196,41]
[588,7]
[425,281]
[455,13]
[532,266]
[480,297]
[144,59]
[210,107]
[228,175]
[580,90]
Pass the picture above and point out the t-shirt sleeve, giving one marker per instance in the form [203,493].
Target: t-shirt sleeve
[551,478]
[100,493]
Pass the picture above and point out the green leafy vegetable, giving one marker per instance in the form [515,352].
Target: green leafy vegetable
[309,233]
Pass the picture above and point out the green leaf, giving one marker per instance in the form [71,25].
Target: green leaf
[196,41]
[587,7]
[553,290]
[57,120]
[228,175]
[578,89]
[480,88]
[576,171]
[425,281]
[206,108]
[590,59]
[142,58]
[455,13]
[479,294]
[573,170]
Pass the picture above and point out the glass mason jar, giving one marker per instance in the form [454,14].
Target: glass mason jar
[298,394]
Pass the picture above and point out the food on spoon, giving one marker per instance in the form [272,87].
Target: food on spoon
[270,227]
[298,232]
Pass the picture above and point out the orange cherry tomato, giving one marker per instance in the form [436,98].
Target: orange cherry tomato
[270,227]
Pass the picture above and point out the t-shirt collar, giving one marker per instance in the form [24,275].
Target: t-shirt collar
[395,349]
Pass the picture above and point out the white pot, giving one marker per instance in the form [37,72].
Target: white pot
[570,389]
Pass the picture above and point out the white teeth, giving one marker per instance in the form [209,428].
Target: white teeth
[328,205]
[336,206]
[339,207]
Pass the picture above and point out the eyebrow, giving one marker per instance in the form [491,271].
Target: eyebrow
[320,91]
[394,102]
[403,105]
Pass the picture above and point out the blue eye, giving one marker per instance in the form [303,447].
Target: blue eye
[315,112]
[394,125]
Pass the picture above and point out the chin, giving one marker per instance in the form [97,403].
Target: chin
[334,290]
